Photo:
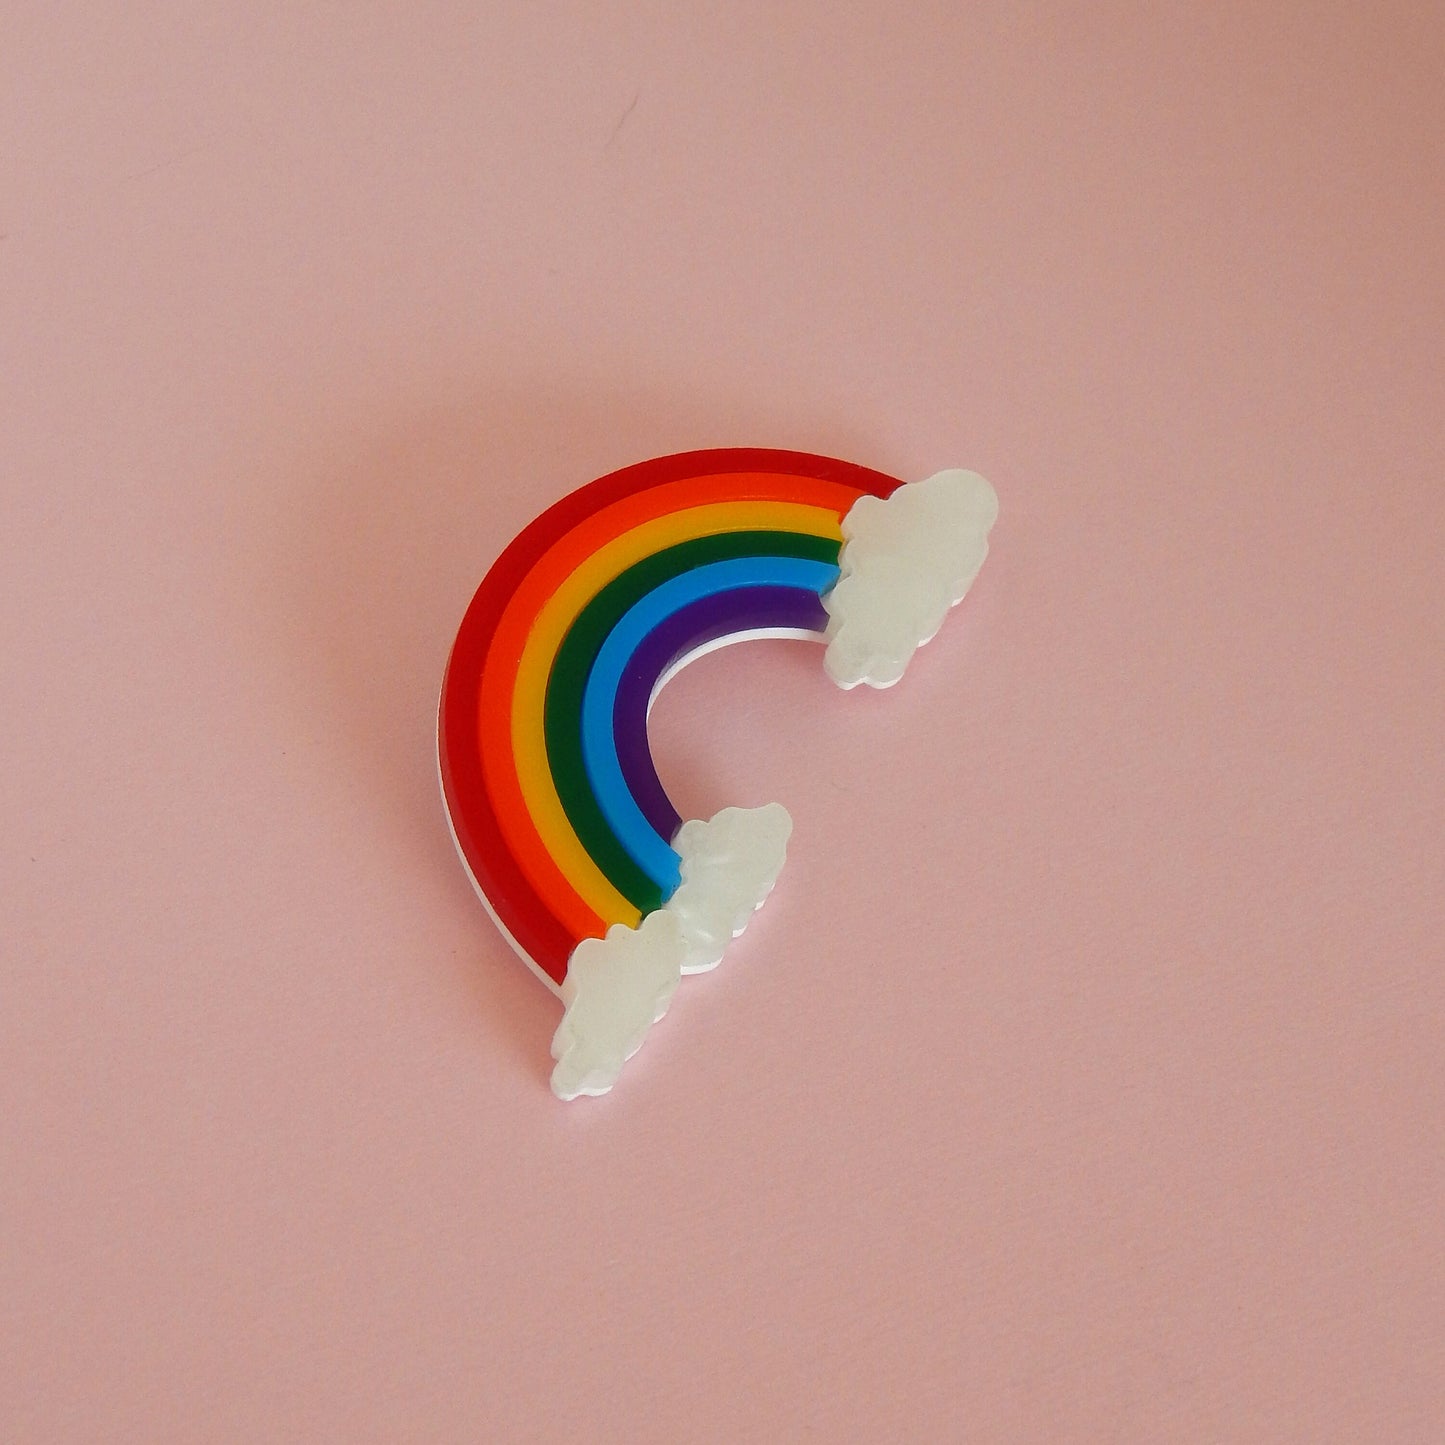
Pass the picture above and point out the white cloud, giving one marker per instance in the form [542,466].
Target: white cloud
[905,561]
[729,866]
[617,987]
[615,990]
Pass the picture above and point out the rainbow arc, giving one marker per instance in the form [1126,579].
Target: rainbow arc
[548,777]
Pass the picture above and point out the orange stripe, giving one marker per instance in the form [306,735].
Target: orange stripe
[499,671]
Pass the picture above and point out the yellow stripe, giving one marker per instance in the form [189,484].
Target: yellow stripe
[556,618]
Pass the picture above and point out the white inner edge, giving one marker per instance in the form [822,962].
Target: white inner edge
[718,643]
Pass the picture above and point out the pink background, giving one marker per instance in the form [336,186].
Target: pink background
[1083,1080]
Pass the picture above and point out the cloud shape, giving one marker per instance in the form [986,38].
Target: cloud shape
[729,866]
[906,560]
[617,987]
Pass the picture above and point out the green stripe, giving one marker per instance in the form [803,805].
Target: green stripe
[562,717]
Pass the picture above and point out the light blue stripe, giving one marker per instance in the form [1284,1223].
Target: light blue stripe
[652,853]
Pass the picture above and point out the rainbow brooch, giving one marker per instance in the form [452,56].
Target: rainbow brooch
[555,805]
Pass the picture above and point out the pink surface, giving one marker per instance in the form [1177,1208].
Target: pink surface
[1083,1079]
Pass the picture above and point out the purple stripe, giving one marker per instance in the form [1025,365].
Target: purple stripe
[743,609]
